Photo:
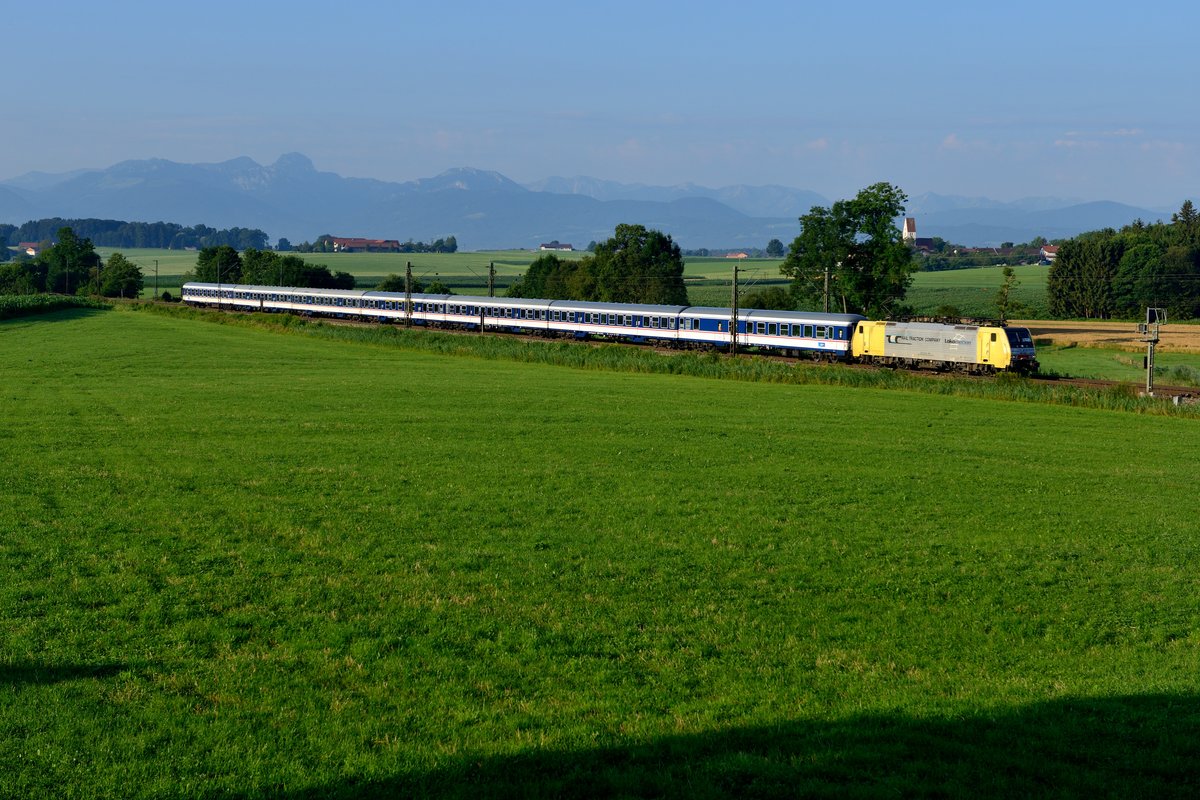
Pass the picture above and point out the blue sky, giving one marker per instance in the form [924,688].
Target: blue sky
[1004,100]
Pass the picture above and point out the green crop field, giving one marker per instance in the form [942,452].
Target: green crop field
[973,291]
[240,563]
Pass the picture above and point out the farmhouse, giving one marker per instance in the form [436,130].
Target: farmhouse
[1049,253]
[342,245]
[557,245]
[29,248]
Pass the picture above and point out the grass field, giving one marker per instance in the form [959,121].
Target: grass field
[247,564]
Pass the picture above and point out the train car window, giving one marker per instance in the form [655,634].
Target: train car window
[993,337]
[628,321]
[808,331]
[761,327]
[721,327]
[773,329]
[821,332]
[671,323]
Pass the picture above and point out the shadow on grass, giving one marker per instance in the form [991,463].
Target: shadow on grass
[1136,746]
[20,674]
[13,318]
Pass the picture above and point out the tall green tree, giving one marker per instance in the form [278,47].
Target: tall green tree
[775,249]
[1188,221]
[548,276]
[120,277]
[221,264]
[1080,281]
[23,277]
[262,268]
[1005,303]
[638,265]
[69,262]
[1134,283]
[395,283]
[858,244]
[773,297]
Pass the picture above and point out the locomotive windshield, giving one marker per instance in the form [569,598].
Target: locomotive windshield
[1019,337]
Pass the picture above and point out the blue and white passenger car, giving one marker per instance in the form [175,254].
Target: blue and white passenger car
[792,332]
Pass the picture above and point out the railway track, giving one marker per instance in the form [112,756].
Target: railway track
[1176,394]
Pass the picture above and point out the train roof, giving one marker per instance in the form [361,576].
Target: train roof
[640,308]
[468,299]
[814,317]
[246,287]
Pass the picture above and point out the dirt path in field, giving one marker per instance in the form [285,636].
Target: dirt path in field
[1118,335]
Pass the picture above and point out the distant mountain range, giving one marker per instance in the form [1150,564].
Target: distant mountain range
[485,210]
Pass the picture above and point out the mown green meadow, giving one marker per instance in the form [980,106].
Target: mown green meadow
[1170,369]
[243,563]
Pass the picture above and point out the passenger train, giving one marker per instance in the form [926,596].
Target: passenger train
[831,337]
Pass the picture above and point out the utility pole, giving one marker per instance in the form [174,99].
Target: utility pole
[408,295]
[491,279]
[733,315]
[156,279]
[826,287]
[1155,317]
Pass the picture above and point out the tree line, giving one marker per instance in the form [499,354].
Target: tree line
[257,267]
[72,266]
[115,233]
[636,265]
[1111,273]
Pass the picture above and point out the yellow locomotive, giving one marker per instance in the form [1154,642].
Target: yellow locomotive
[969,348]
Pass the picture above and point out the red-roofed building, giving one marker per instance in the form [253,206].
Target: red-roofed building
[29,248]
[353,245]
[1049,253]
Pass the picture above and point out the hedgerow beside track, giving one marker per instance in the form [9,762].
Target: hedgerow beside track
[625,358]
